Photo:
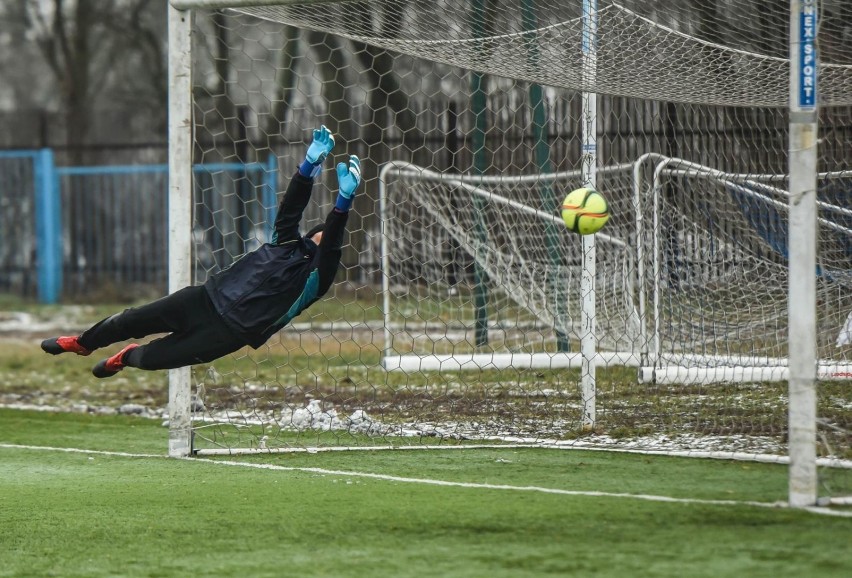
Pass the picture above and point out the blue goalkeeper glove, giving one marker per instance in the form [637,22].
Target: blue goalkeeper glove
[318,151]
[348,179]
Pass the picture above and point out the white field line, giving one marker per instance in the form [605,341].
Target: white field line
[553,445]
[445,483]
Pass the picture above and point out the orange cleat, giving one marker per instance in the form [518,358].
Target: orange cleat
[112,365]
[67,344]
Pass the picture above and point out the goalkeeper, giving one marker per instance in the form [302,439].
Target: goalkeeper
[244,304]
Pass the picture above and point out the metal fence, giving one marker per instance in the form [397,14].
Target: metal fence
[25,216]
[101,232]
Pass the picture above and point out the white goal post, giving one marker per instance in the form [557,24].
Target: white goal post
[180,210]
[804,131]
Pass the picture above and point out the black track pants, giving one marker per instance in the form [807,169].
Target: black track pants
[197,333]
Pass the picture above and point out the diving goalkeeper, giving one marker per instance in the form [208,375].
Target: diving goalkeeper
[244,304]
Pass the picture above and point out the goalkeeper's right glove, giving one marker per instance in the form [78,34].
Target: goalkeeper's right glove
[348,179]
[318,151]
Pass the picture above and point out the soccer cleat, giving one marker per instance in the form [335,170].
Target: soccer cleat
[112,365]
[66,344]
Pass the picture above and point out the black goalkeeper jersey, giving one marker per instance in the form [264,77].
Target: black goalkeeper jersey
[265,289]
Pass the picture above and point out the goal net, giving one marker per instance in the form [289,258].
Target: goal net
[720,275]
[477,274]
[458,312]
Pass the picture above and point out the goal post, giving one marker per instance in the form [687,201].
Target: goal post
[588,286]
[804,133]
[180,209]
[713,313]
[696,263]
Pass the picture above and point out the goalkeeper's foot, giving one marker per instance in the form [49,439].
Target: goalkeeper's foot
[66,344]
[112,365]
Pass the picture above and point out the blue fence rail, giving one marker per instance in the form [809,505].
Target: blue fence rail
[29,217]
[72,231]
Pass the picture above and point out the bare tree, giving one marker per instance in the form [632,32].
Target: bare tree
[99,55]
[285,76]
[385,94]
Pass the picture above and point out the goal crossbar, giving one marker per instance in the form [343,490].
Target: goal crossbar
[217,4]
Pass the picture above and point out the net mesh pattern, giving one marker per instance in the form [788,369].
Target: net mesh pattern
[723,268]
[482,104]
[717,61]
[509,230]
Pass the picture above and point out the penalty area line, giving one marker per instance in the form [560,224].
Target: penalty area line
[442,483]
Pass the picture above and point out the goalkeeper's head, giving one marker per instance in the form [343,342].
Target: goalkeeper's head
[315,234]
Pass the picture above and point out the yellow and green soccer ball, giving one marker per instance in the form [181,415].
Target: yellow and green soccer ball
[585,211]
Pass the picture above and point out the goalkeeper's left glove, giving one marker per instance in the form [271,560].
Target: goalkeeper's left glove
[318,151]
[348,179]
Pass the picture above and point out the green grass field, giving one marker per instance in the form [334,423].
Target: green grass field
[94,495]
[463,512]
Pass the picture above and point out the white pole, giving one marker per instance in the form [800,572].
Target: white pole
[180,211]
[802,253]
[383,216]
[588,341]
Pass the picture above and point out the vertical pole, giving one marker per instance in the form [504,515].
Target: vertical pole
[588,341]
[48,228]
[386,304]
[802,247]
[180,211]
[270,190]
[480,162]
[455,271]
[242,223]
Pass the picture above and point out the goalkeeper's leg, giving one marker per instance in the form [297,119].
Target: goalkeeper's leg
[202,344]
[176,312]
[198,334]
[182,349]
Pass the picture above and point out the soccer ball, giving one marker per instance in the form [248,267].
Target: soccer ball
[585,211]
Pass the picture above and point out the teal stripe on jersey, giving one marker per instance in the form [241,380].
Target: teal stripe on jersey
[309,293]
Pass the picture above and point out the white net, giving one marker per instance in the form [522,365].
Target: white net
[721,273]
[696,52]
[453,240]
[480,106]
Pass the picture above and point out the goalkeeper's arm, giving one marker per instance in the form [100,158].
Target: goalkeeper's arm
[299,190]
[331,246]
